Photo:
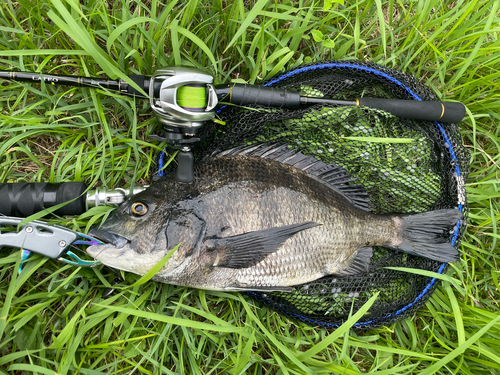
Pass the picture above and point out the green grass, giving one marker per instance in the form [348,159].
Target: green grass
[53,318]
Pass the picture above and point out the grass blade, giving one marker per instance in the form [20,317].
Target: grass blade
[156,268]
[250,17]
[123,27]
[339,331]
[199,43]
[460,349]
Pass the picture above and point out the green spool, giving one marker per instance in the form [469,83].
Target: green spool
[192,97]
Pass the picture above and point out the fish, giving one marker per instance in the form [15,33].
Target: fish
[262,218]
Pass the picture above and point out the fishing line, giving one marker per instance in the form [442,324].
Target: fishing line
[192,97]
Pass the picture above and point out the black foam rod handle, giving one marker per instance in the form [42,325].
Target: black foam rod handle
[418,110]
[24,199]
[141,81]
[242,94]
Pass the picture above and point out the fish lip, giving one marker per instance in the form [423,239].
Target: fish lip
[95,251]
[112,238]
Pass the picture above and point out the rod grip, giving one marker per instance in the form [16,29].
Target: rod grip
[22,199]
[143,82]
[242,94]
[419,110]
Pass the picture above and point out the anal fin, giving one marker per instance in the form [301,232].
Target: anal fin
[360,263]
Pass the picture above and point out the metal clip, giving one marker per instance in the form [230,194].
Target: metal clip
[102,196]
[87,240]
[48,240]
[37,237]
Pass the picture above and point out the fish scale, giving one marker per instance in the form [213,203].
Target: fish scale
[249,222]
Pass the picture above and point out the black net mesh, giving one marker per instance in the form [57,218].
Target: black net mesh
[425,171]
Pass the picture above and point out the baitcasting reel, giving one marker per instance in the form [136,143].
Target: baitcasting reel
[178,122]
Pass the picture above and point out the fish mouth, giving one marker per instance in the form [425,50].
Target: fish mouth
[110,238]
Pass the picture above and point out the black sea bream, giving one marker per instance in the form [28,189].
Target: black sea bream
[262,218]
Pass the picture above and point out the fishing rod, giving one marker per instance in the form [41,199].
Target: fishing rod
[172,85]
[185,98]
[22,199]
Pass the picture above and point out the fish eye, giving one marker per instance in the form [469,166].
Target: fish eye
[139,209]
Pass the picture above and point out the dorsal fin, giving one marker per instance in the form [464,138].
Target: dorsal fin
[331,175]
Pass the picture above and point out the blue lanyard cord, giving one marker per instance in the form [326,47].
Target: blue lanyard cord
[161,163]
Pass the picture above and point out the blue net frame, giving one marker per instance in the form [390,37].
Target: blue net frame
[328,301]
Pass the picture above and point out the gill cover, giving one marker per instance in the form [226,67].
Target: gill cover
[186,228]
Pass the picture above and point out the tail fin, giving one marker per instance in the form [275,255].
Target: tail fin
[425,234]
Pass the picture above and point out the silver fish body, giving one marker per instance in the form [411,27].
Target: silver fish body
[253,223]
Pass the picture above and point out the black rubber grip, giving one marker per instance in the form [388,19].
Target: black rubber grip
[418,110]
[143,82]
[242,94]
[24,199]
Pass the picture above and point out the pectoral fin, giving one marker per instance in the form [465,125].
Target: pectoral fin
[246,250]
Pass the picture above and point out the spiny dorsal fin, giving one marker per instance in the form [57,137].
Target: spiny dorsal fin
[331,175]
